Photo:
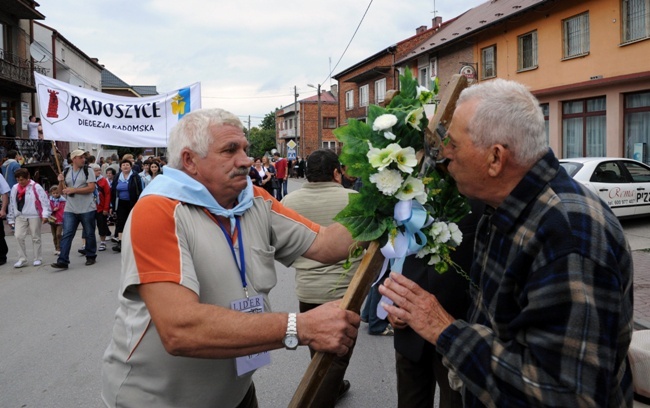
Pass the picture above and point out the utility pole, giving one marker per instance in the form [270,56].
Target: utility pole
[297,118]
[320,122]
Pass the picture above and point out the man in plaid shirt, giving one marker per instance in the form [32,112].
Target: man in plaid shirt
[551,283]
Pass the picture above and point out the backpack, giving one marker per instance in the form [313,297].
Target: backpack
[65,172]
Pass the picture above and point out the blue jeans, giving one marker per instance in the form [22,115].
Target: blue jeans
[70,223]
[282,189]
[369,312]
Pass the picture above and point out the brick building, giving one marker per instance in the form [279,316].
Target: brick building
[366,82]
[299,122]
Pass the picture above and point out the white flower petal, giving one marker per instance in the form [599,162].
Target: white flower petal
[384,122]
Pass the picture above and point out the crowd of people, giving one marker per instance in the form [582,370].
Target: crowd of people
[89,193]
[542,317]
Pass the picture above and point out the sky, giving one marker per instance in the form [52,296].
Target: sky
[249,54]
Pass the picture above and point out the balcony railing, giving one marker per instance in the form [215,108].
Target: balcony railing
[19,70]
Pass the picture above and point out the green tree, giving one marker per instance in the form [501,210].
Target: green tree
[261,141]
[268,123]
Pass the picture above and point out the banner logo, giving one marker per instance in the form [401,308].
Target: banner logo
[181,103]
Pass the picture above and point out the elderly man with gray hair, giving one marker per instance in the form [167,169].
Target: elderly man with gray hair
[551,284]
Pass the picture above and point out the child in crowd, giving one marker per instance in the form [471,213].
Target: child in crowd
[103,206]
[28,209]
[57,204]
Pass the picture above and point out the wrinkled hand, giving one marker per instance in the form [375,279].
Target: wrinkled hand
[415,306]
[396,322]
[328,328]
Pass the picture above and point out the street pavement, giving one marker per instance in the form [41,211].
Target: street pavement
[55,326]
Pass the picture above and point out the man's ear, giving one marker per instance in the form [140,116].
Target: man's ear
[497,159]
[189,160]
[338,176]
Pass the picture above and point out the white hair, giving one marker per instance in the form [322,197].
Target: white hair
[193,132]
[508,114]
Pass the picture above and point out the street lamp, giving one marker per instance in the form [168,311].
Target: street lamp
[320,120]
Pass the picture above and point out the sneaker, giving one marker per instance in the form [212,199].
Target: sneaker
[101,247]
[82,251]
[90,261]
[57,253]
[114,239]
[118,247]
[20,263]
[38,262]
[58,265]
[388,331]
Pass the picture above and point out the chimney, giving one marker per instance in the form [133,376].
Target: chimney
[420,29]
[334,89]
[437,22]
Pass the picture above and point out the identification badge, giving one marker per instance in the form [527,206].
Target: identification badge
[246,364]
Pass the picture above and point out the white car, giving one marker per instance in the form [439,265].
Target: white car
[624,184]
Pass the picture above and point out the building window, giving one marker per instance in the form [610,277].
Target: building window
[329,123]
[363,95]
[423,76]
[329,145]
[489,62]
[583,128]
[636,21]
[349,100]
[380,90]
[544,108]
[637,124]
[527,51]
[576,36]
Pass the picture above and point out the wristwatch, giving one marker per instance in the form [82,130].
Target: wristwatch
[290,340]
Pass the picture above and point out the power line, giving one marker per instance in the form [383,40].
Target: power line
[346,48]
[246,97]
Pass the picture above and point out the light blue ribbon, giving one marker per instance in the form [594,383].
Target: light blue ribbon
[413,217]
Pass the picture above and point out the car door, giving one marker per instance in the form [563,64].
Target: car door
[640,181]
[613,185]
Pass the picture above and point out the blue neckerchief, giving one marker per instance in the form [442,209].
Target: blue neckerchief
[125,179]
[177,185]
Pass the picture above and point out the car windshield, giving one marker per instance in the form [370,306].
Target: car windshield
[571,167]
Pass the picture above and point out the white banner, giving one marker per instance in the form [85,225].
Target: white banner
[73,114]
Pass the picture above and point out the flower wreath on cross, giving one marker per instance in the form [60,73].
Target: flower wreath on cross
[409,207]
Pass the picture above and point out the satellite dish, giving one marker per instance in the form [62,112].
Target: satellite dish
[38,52]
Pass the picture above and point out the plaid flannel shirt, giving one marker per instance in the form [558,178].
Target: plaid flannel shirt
[552,321]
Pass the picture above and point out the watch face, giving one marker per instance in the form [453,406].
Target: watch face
[291,342]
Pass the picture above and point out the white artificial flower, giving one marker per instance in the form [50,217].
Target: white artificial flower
[434,259]
[445,235]
[456,234]
[384,122]
[405,158]
[414,117]
[379,158]
[440,232]
[389,135]
[387,181]
[412,188]
[424,95]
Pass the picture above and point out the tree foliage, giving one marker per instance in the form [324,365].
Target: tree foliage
[261,141]
[268,123]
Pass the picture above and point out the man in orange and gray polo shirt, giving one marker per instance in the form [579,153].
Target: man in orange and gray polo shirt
[181,337]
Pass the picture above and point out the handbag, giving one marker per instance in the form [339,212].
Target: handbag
[275,184]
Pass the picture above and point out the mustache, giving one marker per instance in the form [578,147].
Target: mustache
[241,171]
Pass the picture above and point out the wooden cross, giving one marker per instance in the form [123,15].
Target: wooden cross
[373,259]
